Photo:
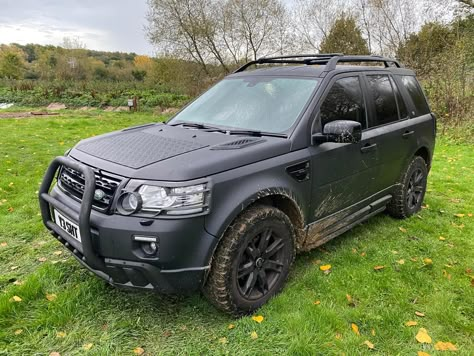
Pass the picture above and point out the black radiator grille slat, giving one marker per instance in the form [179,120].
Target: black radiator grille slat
[72,182]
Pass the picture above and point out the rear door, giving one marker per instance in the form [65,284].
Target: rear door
[389,127]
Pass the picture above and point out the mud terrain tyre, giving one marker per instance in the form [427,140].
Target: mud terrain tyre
[410,190]
[252,261]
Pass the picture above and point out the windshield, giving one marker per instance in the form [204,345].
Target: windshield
[267,104]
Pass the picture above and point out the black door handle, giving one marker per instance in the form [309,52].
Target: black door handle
[368,147]
[407,134]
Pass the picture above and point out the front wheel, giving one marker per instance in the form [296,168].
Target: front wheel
[252,262]
[410,190]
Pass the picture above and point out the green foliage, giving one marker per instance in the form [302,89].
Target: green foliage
[344,37]
[90,93]
[11,62]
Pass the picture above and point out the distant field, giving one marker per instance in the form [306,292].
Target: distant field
[48,303]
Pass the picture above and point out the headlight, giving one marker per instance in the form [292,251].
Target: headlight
[154,199]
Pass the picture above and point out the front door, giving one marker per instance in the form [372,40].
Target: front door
[343,173]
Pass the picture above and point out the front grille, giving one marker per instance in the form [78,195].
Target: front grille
[72,182]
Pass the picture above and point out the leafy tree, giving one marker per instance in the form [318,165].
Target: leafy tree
[345,37]
[12,62]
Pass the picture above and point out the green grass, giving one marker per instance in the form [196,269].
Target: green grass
[116,322]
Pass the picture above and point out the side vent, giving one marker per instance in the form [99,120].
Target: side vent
[238,144]
[299,171]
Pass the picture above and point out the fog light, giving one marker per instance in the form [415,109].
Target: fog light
[148,244]
[150,248]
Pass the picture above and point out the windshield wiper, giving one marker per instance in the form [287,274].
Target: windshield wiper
[197,126]
[255,133]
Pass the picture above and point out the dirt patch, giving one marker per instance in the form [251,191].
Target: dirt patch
[56,106]
[25,114]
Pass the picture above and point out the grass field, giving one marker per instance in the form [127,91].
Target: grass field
[48,303]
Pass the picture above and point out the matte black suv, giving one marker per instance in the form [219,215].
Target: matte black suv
[264,164]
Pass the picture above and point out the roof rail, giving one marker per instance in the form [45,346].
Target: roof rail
[329,59]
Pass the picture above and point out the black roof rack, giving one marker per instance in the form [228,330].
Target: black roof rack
[329,59]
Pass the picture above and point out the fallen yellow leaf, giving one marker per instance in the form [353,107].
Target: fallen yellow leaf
[369,344]
[422,353]
[57,253]
[355,329]
[42,259]
[411,323]
[428,261]
[417,313]
[138,351]
[338,336]
[231,326]
[3,244]
[460,215]
[445,346]
[51,297]
[378,268]
[402,229]
[223,340]
[18,283]
[18,331]
[60,334]
[253,335]
[325,267]
[401,262]
[423,337]
[442,238]
[87,347]
[54,353]
[16,298]
[257,318]
[373,332]
[317,302]
[349,298]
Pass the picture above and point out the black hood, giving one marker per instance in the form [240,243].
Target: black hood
[162,152]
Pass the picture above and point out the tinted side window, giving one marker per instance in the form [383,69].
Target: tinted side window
[402,108]
[414,90]
[384,100]
[344,102]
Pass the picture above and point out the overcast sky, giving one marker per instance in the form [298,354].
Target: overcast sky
[110,25]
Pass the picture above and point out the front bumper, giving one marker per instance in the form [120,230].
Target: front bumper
[108,247]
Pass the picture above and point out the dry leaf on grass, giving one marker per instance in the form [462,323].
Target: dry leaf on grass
[51,297]
[223,340]
[378,268]
[16,298]
[402,229]
[369,344]
[422,353]
[338,336]
[372,332]
[355,329]
[57,253]
[423,337]
[138,351]
[411,323]
[445,346]
[317,302]
[420,314]
[325,267]
[60,334]
[88,346]
[54,353]
[257,318]
[3,244]
[253,335]
[42,259]
[18,331]
[460,215]
[231,326]
[442,238]
[401,262]
[428,261]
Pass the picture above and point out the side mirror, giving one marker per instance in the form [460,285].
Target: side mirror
[340,131]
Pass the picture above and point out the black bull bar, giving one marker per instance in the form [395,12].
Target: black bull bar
[46,201]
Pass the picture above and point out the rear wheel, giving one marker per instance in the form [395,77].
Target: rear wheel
[252,262]
[410,191]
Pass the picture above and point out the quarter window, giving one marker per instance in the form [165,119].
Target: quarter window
[344,102]
[402,108]
[414,90]
[383,97]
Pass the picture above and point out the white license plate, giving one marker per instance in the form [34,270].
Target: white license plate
[67,225]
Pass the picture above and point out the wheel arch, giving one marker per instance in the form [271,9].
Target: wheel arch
[424,153]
